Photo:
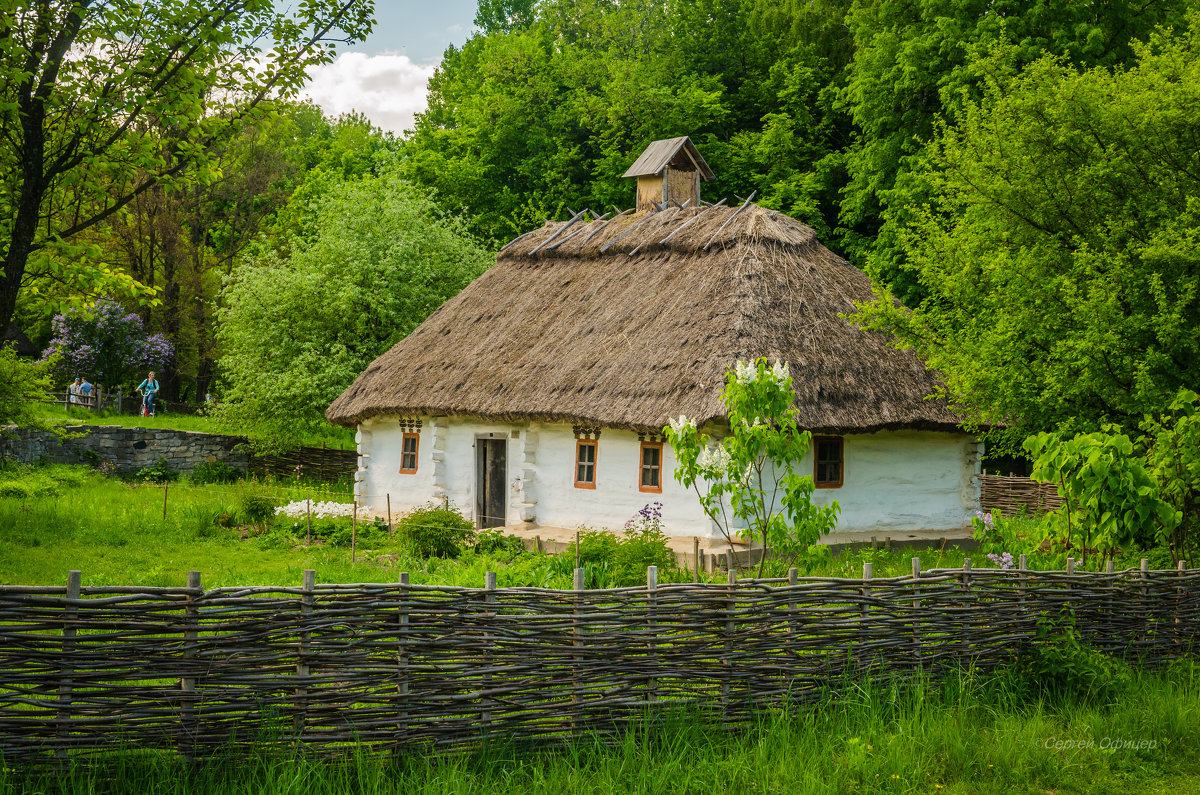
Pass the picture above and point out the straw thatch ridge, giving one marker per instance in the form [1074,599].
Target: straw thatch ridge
[628,322]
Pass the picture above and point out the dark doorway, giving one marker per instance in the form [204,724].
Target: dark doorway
[491,471]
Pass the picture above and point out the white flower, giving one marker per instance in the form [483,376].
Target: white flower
[780,372]
[678,425]
[320,510]
[715,459]
[745,372]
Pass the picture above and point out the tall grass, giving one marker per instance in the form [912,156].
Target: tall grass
[964,734]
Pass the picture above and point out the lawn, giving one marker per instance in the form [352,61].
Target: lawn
[333,436]
[963,735]
[115,533]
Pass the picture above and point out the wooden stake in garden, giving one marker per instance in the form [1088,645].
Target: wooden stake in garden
[353,531]
[576,549]
[165,487]
[696,557]
[308,522]
[389,506]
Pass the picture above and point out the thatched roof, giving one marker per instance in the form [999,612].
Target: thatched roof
[627,322]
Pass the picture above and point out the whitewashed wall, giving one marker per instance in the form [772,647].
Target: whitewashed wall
[904,480]
[894,480]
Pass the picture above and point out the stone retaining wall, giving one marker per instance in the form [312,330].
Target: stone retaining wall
[129,449]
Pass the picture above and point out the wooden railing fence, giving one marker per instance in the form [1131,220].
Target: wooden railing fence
[1013,495]
[412,666]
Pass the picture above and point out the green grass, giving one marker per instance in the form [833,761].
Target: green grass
[963,735]
[114,532]
[331,435]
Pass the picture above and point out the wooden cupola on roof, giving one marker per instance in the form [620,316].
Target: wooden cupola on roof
[669,171]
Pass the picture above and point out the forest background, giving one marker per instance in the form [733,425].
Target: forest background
[1024,177]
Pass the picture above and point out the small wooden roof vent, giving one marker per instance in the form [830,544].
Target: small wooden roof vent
[669,171]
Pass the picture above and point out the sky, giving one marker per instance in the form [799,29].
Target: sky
[384,77]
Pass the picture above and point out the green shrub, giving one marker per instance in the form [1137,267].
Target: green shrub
[494,542]
[435,531]
[214,472]
[615,560]
[161,472]
[257,509]
[1060,667]
[67,475]
[15,488]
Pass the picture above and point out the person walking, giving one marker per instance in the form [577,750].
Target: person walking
[149,391]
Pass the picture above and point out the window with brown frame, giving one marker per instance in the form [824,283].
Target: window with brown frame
[651,469]
[585,464]
[408,453]
[828,462]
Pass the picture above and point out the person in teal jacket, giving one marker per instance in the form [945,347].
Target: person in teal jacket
[149,391]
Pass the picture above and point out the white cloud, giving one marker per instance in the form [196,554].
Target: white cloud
[388,89]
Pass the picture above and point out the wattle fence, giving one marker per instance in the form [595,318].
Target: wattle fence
[400,666]
[1012,495]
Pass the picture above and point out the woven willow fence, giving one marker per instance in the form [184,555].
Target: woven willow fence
[403,666]
[1013,495]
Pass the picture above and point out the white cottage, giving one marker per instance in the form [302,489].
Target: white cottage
[538,395]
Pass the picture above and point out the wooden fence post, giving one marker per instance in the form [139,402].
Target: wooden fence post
[696,557]
[577,657]
[1178,629]
[727,657]
[964,646]
[70,616]
[865,612]
[307,600]
[1144,576]
[402,661]
[916,611]
[651,607]
[489,598]
[188,683]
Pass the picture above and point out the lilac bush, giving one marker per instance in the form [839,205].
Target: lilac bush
[107,344]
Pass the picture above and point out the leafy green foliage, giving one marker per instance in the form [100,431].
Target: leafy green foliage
[159,472]
[1111,499]
[214,472]
[493,541]
[1059,667]
[1060,250]
[749,476]
[617,560]
[257,509]
[436,531]
[377,259]
[538,115]
[22,385]
[82,87]
[1173,459]
[917,64]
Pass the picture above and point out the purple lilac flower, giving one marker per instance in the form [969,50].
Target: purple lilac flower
[1003,560]
[106,343]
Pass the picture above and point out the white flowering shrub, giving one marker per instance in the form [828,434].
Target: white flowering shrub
[749,476]
[320,510]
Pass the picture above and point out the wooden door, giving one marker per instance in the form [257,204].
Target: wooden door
[491,473]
